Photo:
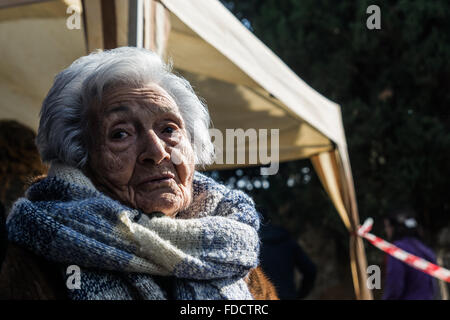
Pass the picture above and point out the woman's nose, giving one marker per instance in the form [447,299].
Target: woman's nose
[153,149]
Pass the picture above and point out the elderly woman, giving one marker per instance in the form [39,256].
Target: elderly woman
[123,201]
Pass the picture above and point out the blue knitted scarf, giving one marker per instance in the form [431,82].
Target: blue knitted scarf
[204,253]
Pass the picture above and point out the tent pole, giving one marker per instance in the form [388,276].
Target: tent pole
[331,172]
[136,23]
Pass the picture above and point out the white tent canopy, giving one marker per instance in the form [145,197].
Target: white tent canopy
[244,84]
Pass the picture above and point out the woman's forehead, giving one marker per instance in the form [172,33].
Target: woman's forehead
[152,95]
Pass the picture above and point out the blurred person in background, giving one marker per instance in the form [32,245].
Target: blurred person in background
[404,282]
[280,257]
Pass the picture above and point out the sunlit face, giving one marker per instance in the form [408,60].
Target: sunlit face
[140,152]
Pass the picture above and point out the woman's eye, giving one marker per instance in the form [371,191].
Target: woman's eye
[168,130]
[119,135]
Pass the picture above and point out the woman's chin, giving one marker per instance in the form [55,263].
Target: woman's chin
[168,200]
[166,203]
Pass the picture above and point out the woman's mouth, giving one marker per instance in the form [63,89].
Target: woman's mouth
[158,178]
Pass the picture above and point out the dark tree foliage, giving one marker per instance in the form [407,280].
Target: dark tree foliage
[394,88]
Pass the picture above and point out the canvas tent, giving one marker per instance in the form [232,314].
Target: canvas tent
[244,84]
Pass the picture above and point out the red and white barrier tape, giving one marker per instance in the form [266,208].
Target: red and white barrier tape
[412,260]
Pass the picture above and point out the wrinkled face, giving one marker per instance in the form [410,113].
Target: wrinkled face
[140,152]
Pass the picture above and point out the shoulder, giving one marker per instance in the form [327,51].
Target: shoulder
[416,247]
[214,198]
[404,244]
[204,185]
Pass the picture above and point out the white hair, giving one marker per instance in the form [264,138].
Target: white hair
[62,134]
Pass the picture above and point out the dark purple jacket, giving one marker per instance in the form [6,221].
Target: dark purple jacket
[404,282]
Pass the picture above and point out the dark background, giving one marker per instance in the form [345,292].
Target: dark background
[393,85]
